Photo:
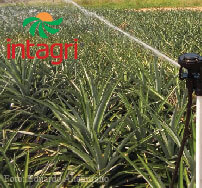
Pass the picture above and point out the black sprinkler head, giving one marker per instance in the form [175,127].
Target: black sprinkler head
[193,63]
[191,68]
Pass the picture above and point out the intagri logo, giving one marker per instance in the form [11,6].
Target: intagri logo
[42,21]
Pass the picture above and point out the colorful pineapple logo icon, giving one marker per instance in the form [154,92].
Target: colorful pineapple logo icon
[43,21]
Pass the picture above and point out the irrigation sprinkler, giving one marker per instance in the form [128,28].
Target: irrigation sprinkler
[191,71]
[193,64]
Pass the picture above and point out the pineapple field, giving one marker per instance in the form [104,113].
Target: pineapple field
[112,117]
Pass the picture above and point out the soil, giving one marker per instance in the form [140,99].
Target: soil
[168,9]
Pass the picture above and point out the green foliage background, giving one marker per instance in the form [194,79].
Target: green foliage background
[118,112]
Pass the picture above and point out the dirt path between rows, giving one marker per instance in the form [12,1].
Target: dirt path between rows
[169,8]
